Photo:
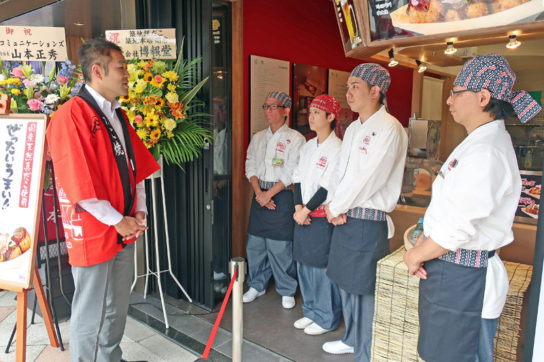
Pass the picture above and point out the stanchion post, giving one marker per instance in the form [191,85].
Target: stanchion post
[237,307]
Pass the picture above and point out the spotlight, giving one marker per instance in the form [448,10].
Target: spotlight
[450,49]
[421,66]
[392,61]
[513,43]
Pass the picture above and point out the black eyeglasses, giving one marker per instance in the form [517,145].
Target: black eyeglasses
[272,107]
[452,92]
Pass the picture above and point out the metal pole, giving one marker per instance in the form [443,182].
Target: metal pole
[237,307]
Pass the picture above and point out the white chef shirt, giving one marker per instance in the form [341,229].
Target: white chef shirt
[371,166]
[476,193]
[316,162]
[272,157]
[102,209]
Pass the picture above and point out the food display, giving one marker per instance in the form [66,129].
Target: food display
[531,210]
[432,11]
[14,245]
[529,201]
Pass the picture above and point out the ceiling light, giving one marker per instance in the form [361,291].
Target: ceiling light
[450,49]
[78,23]
[513,43]
[392,61]
[421,66]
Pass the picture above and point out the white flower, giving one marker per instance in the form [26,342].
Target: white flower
[51,98]
[38,78]
[170,124]
[2,77]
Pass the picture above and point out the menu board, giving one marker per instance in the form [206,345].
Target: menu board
[401,18]
[22,137]
[266,75]
[145,43]
[31,43]
[529,201]
[337,88]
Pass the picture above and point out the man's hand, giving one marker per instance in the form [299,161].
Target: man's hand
[415,267]
[339,220]
[263,198]
[130,227]
[330,217]
[301,216]
[271,205]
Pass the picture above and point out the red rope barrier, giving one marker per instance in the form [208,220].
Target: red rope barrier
[220,316]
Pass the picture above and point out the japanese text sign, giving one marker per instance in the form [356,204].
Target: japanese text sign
[22,139]
[145,43]
[26,43]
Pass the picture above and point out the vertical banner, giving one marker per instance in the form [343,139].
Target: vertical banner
[337,88]
[22,139]
[266,75]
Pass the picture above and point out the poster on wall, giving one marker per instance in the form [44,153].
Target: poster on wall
[309,81]
[266,75]
[400,18]
[337,87]
[529,201]
[33,43]
[345,14]
[22,137]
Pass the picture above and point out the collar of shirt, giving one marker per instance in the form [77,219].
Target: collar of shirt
[269,132]
[105,106]
[373,118]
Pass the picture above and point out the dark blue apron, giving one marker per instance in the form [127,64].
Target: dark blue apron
[275,224]
[355,250]
[312,243]
[450,311]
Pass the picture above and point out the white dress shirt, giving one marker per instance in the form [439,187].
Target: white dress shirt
[102,209]
[371,166]
[272,157]
[316,162]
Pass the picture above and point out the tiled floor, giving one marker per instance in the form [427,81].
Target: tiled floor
[139,342]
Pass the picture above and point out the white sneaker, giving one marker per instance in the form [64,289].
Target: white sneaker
[315,330]
[251,294]
[337,347]
[288,302]
[302,323]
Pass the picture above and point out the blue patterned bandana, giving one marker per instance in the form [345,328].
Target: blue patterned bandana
[373,74]
[282,97]
[492,72]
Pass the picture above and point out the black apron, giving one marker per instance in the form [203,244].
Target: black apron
[355,250]
[450,311]
[312,243]
[275,224]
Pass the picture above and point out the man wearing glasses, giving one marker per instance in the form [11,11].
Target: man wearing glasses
[272,156]
[475,195]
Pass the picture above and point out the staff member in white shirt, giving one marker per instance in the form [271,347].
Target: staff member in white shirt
[368,179]
[272,156]
[475,196]
[312,239]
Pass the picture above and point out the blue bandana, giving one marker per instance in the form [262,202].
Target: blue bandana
[282,97]
[492,72]
[373,74]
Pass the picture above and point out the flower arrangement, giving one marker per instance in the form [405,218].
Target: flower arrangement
[162,108]
[32,91]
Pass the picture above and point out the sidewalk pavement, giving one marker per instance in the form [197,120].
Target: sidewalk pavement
[139,342]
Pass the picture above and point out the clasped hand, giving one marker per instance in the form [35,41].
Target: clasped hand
[131,227]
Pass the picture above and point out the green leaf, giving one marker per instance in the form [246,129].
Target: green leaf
[190,95]
[154,91]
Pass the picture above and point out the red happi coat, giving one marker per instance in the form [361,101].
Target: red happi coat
[85,168]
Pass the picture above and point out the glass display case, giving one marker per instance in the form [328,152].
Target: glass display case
[528,140]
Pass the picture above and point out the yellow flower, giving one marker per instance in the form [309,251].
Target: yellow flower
[160,102]
[172,97]
[155,134]
[169,124]
[11,81]
[171,75]
[171,87]
[148,77]
[133,72]
[169,134]
[15,91]
[142,133]
[140,86]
